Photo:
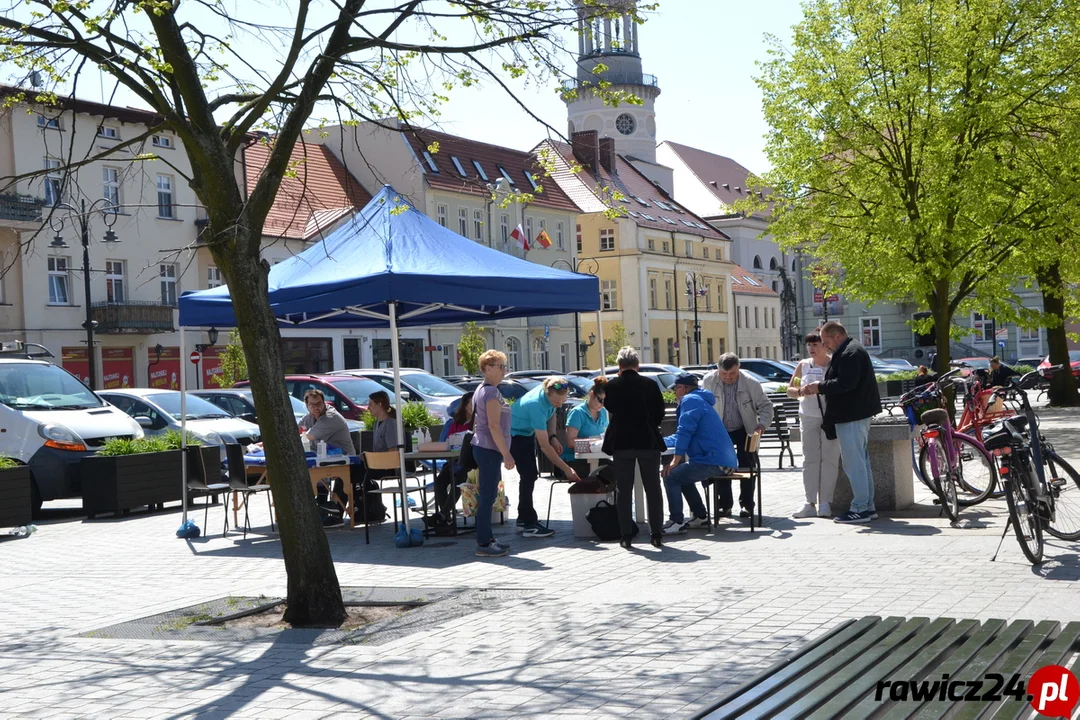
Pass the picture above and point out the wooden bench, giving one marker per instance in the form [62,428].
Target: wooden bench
[865,668]
[777,435]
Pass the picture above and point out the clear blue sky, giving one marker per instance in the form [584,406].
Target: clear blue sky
[703,53]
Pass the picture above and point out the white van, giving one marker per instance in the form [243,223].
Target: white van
[51,421]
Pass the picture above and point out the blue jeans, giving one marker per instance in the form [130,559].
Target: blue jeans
[490,472]
[683,480]
[853,437]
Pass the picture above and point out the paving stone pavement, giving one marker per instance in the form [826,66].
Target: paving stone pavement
[602,633]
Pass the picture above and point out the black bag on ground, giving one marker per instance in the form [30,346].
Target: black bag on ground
[376,510]
[604,520]
[465,457]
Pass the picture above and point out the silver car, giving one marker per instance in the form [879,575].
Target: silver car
[421,386]
[158,411]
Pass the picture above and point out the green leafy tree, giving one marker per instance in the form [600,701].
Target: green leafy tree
[471,346]
[896,133]
[233,362]
[193,64]
[618,340]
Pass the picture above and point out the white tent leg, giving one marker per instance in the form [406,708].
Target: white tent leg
[183,426]
[600,335]
[395,357]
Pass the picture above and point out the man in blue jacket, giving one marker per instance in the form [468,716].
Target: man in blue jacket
[703,449]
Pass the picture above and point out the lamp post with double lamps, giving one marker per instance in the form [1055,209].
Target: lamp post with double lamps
[212,336]
[694,291]
[80,218]
[583,266]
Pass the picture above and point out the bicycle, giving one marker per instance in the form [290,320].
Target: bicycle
[950,462]
[1030,505]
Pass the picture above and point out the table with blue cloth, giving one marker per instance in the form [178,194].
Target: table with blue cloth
[321,471]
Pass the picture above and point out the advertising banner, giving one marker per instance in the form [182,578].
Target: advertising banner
[165,374]
[211,366]
[74,360]
[117,367]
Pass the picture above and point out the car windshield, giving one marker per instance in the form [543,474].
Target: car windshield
[431,386]
[512,391]
[360,389]
[1074,356]
[583,385]
[527,383]
[33,386]
[196,407]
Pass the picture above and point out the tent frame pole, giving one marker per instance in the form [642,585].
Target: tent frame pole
[183,428]
[395,357]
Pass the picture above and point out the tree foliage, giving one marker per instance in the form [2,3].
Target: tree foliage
[619,339]
[220,76]
[471,346]
[898,132]
[233,363]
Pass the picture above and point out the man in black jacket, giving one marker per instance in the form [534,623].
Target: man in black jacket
[851,399]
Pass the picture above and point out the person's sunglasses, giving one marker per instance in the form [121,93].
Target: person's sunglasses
[560,386]
[499,367]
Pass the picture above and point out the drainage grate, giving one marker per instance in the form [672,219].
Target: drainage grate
[204,622]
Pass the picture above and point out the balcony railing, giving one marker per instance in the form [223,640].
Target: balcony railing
[133,316]
[20,208]
[613,78]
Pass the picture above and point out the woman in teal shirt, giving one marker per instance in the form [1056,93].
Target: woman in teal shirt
[589,420]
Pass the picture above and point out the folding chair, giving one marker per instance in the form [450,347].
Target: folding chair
[238,484]
[198,486]
[712,495]
[388,461]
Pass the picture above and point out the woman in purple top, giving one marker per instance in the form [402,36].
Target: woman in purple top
[490,447]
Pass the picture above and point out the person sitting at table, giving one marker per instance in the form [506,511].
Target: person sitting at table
[324,423]
[385,436]
[452,474]
[532,423]
[703,449]
[588,420]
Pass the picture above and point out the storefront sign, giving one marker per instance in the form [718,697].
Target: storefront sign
[211,366]
[165,373]
[74,360]
[117,367]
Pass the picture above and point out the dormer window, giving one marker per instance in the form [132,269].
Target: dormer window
[457,166]
[502,171]
[480,171]
[430,162]
[532,181]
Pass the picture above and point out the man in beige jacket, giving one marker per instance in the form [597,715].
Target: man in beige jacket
[744,409]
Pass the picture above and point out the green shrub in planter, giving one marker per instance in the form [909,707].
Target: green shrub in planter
[7,463]
[126,474]
[415,415]
[1023,369]
[669,397]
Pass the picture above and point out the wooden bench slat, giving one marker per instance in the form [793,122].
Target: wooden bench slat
[760,686]
[1065,645]
[811,678]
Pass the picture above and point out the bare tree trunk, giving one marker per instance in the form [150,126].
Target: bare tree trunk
[1063,392]
[939,308]
[314,595]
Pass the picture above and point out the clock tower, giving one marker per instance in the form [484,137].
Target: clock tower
[613,43]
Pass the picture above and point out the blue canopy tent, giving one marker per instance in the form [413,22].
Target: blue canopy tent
[392,266]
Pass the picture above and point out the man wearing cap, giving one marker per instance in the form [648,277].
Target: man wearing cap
[703,449]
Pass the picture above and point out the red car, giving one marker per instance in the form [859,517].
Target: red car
[1074,361]
[348,393]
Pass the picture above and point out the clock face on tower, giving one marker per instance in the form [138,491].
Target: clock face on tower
[625,124]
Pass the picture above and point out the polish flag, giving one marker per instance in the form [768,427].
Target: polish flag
[518,236]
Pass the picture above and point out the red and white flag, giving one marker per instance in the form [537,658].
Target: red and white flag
[518,236]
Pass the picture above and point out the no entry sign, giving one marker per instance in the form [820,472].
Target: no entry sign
[195,357]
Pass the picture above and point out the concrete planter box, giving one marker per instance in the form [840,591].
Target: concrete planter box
[15,494]
[121,483]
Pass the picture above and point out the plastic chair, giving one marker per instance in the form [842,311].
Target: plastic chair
[197,486]
[238,484]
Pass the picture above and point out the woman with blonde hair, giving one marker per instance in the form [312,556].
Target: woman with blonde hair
[490,447]
[533,423]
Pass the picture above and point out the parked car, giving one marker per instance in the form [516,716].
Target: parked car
[437,394]
[1029,361]
[900,363]
[157,411]
[1074,361]
[777,371]
[511,389]
[643,368]
[535,374]
[238,403]
[51,421]
[664,380]
[695,368]
[347,393]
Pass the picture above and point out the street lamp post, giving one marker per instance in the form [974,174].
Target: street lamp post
[212,336]
[590,267]
[81,216]
[693,291]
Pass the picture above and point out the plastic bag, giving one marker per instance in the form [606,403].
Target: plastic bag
[414,537]
[470,496]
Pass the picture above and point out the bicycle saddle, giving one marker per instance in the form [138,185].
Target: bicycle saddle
[998,436]
[935,416]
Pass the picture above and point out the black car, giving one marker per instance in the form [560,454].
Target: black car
[238,402]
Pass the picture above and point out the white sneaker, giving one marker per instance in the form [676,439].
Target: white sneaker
[824,510]
[697,523]
[674,528]
[807,510]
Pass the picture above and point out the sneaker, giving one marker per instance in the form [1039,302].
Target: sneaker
[806,511]
[745,513]
[537,530]
[870,514]
[492,549]
[333,521]
[851,518]
[723,512]
[672,527]
[698,523]
[520,525]
[824,510]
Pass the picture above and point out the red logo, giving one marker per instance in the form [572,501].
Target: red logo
[1054,691]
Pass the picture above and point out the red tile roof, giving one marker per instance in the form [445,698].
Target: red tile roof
[743,282]
[441,171]
[722,176]
[643,201]
[316,192]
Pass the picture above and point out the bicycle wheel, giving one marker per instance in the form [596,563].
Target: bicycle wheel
[1025,522]
[1066,522]
[942,478]
[976,477]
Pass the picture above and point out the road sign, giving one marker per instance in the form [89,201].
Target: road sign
[195,357]
[547,331]
[1001,344]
